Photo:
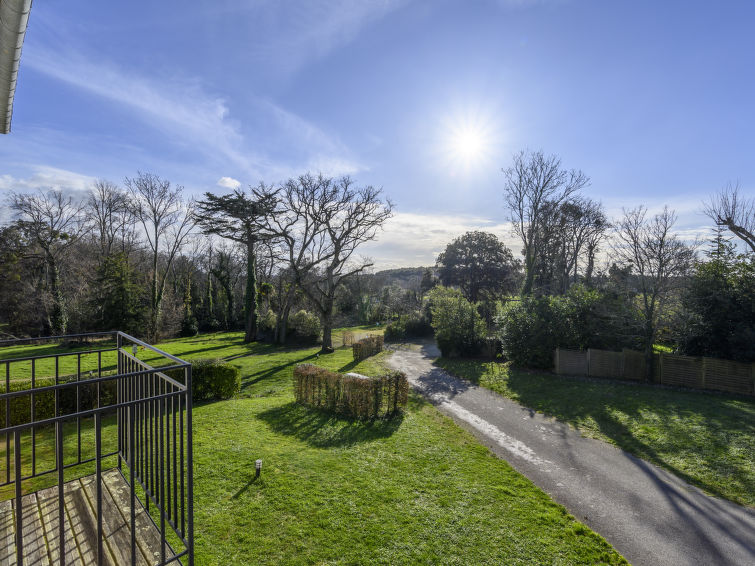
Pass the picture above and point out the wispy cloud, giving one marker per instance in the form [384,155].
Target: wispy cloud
[293,33]
[183,110]
[45,178]
[180,107]
[229,183]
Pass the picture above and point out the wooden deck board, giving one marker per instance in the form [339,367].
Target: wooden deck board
[7,534]
[35,545]
[147,536]
[41,534]
[48,509]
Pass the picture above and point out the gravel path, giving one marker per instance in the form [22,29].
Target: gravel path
[648,514]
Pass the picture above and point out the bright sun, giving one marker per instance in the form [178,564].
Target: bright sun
[469,144]
[468,141]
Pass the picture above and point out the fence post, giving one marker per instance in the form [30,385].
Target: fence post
[558,361]
[589,370]
[703,371]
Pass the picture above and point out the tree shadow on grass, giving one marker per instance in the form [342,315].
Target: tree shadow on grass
[577,401]
[348,367]
[251,379]
[321,429]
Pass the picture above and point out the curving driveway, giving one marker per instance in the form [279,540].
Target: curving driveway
[648,514]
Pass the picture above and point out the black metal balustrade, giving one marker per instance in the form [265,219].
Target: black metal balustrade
[131,412]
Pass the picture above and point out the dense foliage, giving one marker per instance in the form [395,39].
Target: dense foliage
[459,329]
[408,327]
[719,306]
[480,265]
[531,328]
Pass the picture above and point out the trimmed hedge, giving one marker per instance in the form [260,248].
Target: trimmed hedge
[212,378]
[367,347]
[351,394]
[44,402]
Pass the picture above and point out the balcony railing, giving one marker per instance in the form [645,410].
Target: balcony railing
[112,420]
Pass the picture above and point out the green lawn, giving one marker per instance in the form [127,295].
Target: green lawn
[705,439]
[412,490]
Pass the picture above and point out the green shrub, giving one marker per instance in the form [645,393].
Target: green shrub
[306,325]
[532,328]
[214,379]
[459,329]
[367,347]
[353,395]
[267,321]
[44,402]
[415,326]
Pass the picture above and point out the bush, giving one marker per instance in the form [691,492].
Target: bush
[532,328]
[214,379]
[306,325]
[416,326]
[459,329]
[367,347]
[351,394]
[44,402]
[267,321]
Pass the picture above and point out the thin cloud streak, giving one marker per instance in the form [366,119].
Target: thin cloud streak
[191,117]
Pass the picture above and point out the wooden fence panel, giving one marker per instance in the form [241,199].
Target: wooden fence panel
[604,363]
[668,369]
[634,365]
[571,362]
[681,371]
[726,375]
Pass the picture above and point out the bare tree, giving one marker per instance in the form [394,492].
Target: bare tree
[108,211]
[320,223]
[737,213]
[55,223]
[167,222]
[533,183]
[658,259]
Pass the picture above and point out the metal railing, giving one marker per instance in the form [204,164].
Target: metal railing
[137,412]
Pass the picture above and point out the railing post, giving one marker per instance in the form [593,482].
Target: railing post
[19,512]
[98,473]
[119,410]
[190,467]
[61,493]
[132,481]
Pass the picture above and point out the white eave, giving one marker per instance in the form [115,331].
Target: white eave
[14,16]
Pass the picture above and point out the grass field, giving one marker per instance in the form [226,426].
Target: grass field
[706,439]
[411,490]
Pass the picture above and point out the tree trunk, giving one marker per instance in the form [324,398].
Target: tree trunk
[327,331]
[590,266]
[154,303]
[529,273]
[58,317]
[649,335]
[250,294]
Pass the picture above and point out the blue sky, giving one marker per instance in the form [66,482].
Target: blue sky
[653,100]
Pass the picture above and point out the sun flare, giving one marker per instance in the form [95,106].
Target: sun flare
[469,144]
[469,141]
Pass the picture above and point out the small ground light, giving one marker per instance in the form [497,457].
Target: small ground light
[257,468]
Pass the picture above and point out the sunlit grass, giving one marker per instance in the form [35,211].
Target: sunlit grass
[706,439]
[415,489]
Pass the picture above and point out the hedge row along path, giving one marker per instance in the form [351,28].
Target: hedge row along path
[648,514]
